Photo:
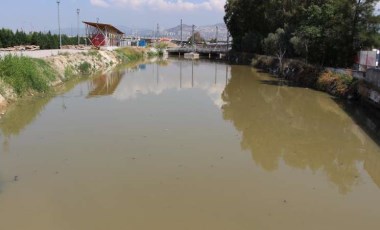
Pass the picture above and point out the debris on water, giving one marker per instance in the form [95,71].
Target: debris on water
[133,158]
[221,158]
[56,172]
[15,178]
[284,201]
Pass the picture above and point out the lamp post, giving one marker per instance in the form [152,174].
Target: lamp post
[59,25]
[193,38]
[181,32]
[78,11]
[216,35]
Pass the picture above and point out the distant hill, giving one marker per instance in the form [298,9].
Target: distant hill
[208,32]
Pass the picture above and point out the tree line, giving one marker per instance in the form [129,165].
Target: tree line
[9,38]
[324,32]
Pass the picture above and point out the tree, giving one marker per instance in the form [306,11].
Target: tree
[326,32]
[276,44]
[198,39]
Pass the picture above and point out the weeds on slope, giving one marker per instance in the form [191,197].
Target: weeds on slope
[26,74]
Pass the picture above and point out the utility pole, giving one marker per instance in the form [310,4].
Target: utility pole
[181,32]
[228,40]
[192,37]
[216,36]
[158,31]
[59,26]
[78,11]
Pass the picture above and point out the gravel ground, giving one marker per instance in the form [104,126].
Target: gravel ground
[40,53]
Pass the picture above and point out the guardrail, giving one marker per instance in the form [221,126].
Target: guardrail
[197,49]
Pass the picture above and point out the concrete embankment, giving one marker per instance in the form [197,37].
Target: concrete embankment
[29,73]
[369,88]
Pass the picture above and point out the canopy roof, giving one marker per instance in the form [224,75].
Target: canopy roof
[108,27]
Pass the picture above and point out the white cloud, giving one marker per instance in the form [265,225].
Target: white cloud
[100,3]
[183,5]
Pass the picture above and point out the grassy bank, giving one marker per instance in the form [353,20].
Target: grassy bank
[306,75]
[23,75]
[128,54]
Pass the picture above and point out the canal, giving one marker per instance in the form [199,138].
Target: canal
[188,145]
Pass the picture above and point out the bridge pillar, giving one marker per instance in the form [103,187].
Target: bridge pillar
[209,56]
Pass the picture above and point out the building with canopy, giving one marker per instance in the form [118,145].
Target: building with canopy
[103,35]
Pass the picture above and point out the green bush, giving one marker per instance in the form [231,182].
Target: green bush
[129,54]
[69,72]
[85,68]
[95,53]
[25,74]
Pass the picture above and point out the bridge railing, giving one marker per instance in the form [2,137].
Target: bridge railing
[198,49]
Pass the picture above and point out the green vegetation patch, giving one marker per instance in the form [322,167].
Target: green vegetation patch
[85,68]
[26,74]
[336,84]
[129,54]
[95,53]
[69,72]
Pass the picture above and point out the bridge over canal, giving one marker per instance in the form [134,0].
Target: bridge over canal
[203,51]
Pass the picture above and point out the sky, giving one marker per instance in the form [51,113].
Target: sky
[41,15]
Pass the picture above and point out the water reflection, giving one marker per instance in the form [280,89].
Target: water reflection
[26,111]
[371,126]
[191,75]
[21,114]
[105,84]
[304,129]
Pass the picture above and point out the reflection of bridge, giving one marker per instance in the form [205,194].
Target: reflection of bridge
[204,51]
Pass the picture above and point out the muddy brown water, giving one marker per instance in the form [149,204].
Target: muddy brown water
[188,145]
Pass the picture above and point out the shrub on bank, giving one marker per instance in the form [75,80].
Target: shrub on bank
[129,54]
[336,84]
[85,68]
[26,74]
[306,75]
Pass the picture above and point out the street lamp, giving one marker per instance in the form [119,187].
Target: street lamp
[59,25]
[78,11]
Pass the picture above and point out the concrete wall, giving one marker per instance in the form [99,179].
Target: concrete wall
[358,74]
[373,77]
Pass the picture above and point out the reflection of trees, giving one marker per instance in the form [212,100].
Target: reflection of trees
[25,111]
[22,114]
[303,128]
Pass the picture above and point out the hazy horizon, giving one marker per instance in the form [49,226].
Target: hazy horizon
[41,15]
